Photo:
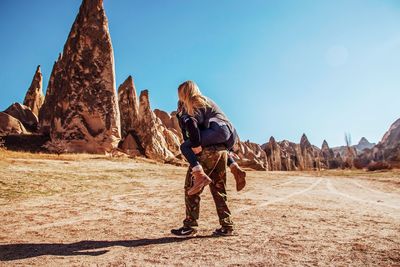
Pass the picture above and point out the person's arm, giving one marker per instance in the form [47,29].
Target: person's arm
[180,114]
[182,126]
[192,128]
[197,120]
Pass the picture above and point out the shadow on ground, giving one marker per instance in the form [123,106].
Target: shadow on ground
[11,252]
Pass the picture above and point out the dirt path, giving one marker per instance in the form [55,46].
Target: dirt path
[108,212]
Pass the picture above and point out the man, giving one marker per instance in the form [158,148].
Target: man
[213,160]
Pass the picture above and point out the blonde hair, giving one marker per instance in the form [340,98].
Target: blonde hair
[189,94]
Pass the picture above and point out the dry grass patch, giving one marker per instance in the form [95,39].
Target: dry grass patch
[8,154]
[24,175]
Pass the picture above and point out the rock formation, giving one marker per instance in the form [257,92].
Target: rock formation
[164,117]
[157,141]
[251,156]
[363,144]
[34,97]
[10,125]
[142,131]
[326,154]
[290,156]
[349,157]
[339,160]
[391,139]
[128,106]
[131,147]
[390,144]
[387,150]
[175,124]
[273,152]
[170,122]
[25,115]
[81,102]
[327,157]
[129,113]
[50,100]
[307,153]
[284,155]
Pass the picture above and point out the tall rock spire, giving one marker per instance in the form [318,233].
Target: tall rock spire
[307,152]
[50,101]
[151,132]
[34,97]
[128,106]
[81,102]
[273,152]
[325,145]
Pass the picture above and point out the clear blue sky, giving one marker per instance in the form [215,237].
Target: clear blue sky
[276,68]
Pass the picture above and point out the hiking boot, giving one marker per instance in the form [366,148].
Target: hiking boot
[223,231]
[239,175]
[201,180]
[184,231]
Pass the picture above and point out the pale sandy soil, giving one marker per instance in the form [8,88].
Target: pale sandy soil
[91,210]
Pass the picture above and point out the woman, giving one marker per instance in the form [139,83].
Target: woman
[204,124]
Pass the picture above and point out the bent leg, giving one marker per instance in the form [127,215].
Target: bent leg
[187,152]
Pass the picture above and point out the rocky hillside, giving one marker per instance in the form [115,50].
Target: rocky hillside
[389,146]
[391,139]
[387,150]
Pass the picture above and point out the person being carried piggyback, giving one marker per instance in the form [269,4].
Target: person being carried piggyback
[204,124]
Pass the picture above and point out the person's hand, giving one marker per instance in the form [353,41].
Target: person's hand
[197,149]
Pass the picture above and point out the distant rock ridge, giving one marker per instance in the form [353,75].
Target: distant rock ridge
[289,156]
[363,144]
[34,97]
[81,102]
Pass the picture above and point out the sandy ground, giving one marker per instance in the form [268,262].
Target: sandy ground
[118,212]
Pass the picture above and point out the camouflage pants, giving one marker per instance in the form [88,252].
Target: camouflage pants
[213,161]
